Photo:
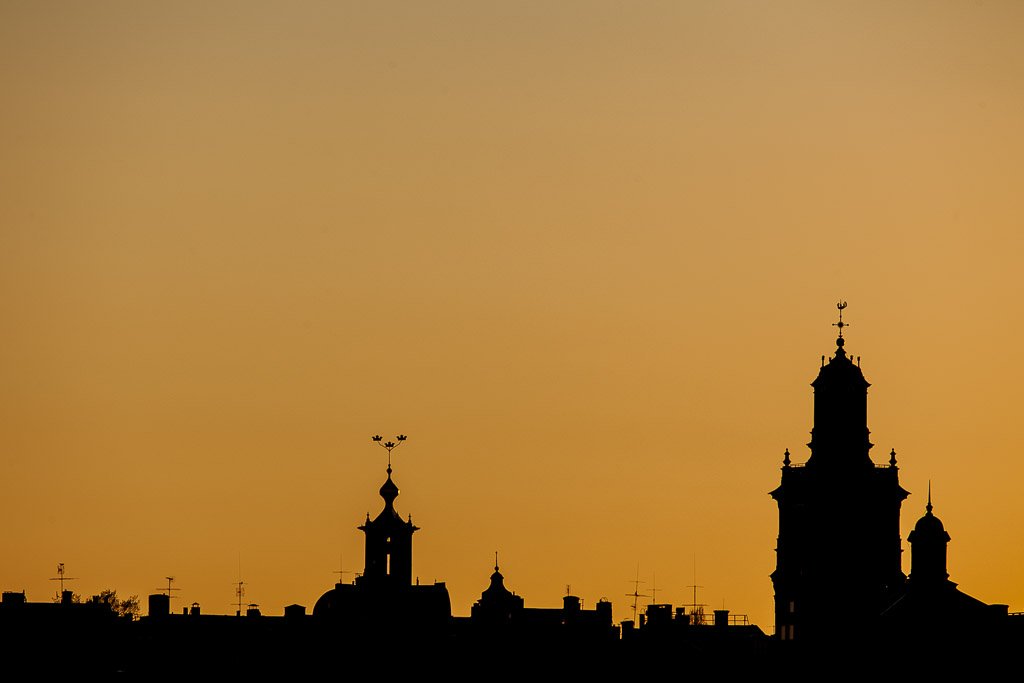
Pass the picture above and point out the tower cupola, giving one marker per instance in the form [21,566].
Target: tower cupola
[840,434]
[928,546]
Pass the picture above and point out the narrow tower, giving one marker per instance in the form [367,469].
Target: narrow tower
[838,552]
[388,537]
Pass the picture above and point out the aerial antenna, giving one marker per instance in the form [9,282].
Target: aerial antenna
[636,595]
[390,445]
[170,580]
[239,594]
[341,571]
[60,577]
[654,588]
[239,587]
[696,608]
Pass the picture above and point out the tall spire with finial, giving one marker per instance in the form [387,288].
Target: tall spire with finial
[840,407]
[928,507]
[388,536]
[389,491]
[840,341]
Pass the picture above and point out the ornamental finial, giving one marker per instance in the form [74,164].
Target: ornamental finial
[390,445]
[841,305]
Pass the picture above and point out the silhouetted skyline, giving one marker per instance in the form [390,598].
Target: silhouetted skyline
[585,254]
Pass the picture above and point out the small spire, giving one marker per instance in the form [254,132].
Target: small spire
[785,460]
[892,458]
[841,305]
[840,341]
[928,507]
[495,560]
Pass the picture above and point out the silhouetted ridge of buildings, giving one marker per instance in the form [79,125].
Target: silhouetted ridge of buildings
[839,589]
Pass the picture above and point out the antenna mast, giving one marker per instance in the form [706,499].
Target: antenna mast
[696,609]
[341,571]
[239,594]
[170,580]
[636,595]
[60,577]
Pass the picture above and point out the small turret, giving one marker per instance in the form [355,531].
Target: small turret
[928,545]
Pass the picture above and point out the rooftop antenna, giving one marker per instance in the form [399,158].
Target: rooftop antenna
[654,588]
[636,595]
[170,580]
[390,445]
[697,609]
[239,594]
[341,571]
[60,576]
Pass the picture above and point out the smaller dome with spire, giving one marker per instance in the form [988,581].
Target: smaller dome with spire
[929,527]
[497,590]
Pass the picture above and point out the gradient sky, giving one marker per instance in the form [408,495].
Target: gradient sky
[585,254]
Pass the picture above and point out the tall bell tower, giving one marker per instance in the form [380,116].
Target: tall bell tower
[839,548]
[388,537]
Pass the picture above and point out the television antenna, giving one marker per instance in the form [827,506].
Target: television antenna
[341,571]
[636,595]
[170,580]
[239,594]
[654,588]
[60,577]
[696,608]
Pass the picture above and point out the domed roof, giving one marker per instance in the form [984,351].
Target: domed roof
[929,527]
[497,588]
[389,490]
[929,524]
[840,369]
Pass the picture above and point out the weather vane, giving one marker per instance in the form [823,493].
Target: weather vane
[841,305]
[389,445]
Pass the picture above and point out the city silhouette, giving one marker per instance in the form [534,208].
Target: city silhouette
[839,588]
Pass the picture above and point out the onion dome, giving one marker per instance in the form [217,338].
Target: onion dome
[389,490]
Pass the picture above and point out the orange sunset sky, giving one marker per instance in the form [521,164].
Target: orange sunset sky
[585,254]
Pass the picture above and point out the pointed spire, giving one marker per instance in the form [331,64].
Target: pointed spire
[928,507]
[495,560]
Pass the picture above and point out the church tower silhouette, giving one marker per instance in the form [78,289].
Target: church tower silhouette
[384,599]
[388,543]
[839,548]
